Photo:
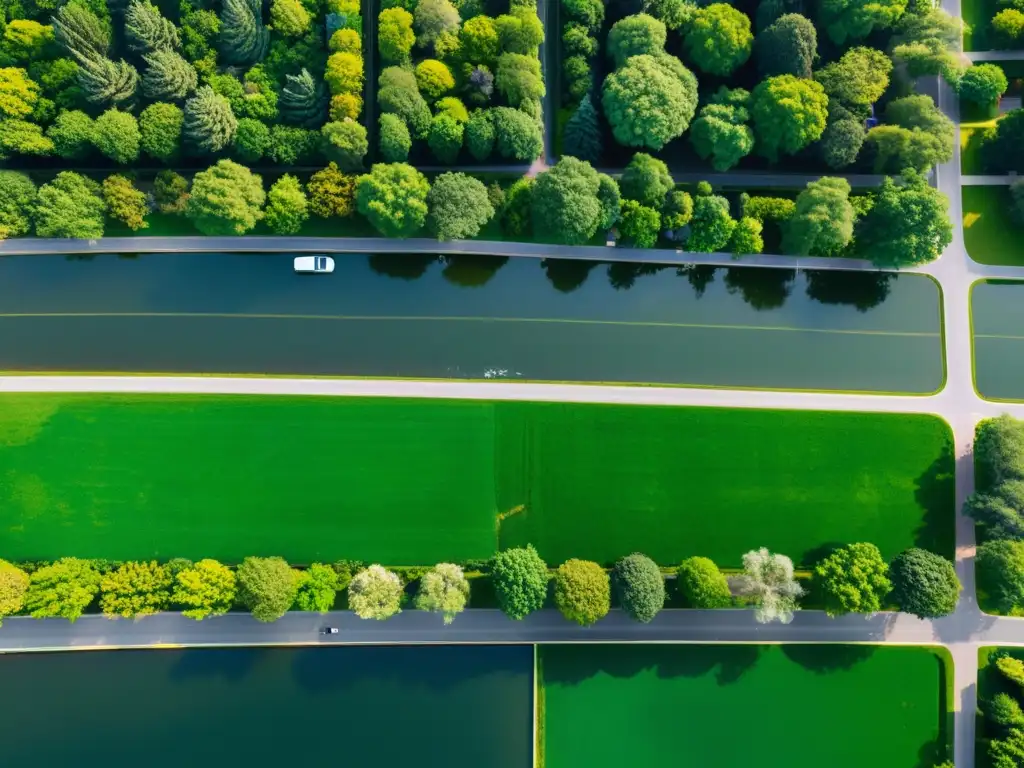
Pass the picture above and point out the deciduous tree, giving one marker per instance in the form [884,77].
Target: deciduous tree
[116,135]
[459,207]
[711,226]
[124,202]
[639,586]
[787,46]
[266,586]
[1000,567]
[853,579]
[433,78]
[567,204]
[480,135]
[769,582]
[206,588]
[395,37]
[13,587]
[907,224]
[855,19]
[822,223]
[718,39]
[983,84]
[70,206]
[519,78]
[136,589]
[226,199]
[72,134]
[432,18]
[520,581]
[479,40]
[344,72]
[721,134]
[649,101]
[287,208]
[317,589]
[646,180]
[443,589]
[634,36]
[582,591]
[18,200]
[701,585]
[924,584]
[170,190]
[395,141]
[788,114]
[18,92]
[375,593]
[639,224]
[858,79]
[345,143]
[331,192]
[289,18]
[64,589]
[518,135]
[393,196]
[746,237]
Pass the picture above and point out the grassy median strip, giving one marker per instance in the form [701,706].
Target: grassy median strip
[411,482]
[633,704]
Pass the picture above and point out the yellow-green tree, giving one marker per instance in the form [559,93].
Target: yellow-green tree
[205,589]
[135,589]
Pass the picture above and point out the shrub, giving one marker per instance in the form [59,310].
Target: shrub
[639,586]
[701,584]
[582,591]
[375,593]
[983,84]
[520,581]
[1005,712]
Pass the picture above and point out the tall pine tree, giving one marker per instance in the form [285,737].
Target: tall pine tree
[168,77]
[582,136]
[243,38]
[147,31]
[303,101]
[210,124]
[80,32]
[108,83]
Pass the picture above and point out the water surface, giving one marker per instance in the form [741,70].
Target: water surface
[997,319]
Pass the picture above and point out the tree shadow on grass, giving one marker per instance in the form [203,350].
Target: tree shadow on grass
[935,494]
[824,659]
[571,666]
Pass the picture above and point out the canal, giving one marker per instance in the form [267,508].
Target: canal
[997,317]
[398,706]
[422,316]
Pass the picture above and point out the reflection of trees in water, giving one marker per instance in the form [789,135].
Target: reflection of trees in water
[471,271]
[863,290]
[761,287]
[622,275]
[404,266]
[566,275]
[700,276]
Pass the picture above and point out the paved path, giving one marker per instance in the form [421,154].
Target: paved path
[993,55]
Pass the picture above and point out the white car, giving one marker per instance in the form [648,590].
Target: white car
[314,264]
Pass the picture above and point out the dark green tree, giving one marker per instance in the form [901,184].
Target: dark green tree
[407,104]
[146,31]
[459,207]
[822,223]
[843,138]
[907,224]
[581,136]
[520,581]
[445,138]
[788,46]
[711,226]
[855,19]
[1000,565]
[720,132]
[80,32]
[168,76]
[518,135]
[108,83]
[566,206]
[395,141]
[999,450]
[639,586]
[209,124]
[170,191]
[243,38]
[646,180]
[924,584]
[252,140]
[480,135]
[303,100]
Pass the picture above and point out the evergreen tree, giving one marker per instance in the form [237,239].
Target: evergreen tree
[168,77]
[303,100]
[79,32]
[582,137]
[147,31]
[243,38]
[210,124]
[106,82]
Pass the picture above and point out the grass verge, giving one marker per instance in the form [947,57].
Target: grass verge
[990,235]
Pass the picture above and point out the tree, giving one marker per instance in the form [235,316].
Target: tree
[646,180]
[345,105]
[170,190]
[124,202]
[787,46]
[711,226]
[1008,26]
[13,587]
[858,79]
[18,93]
[647,103]
[567,206]
[226,199]
[80,32]
[983,84]
[999,510]
[719,39]
[395,141]
[252,140]
[443,589]
[206,588]
[517,213]
[243,38]
[116,135]
[23,138]
[924,584]
[72,134]
[520,31]
[135,589]
[746,237]
[639,587]
[303,100]
[395,37]
[635,36]
[478,40]
[480,135]
[433,78]
[64,589]
[18,200]
[160,127]
[701,585]
[317,588]
[639,224]
[145,30]
[393,196]
[853,579]
[999,450]
[105,82]
[345,143]
[70,206]
[520,581]
[1008,752]
[289,18]
[287,208]
[459,207]
[25,40]
[434,18]
[518,135]
[587,13]
[918,135]
[266,586]
[331,192]
[168,76]
[768,580]
[720,133]
[581,136]
[843,137]
[582,591]
[344,72]
[454,108]
[1011,668]
[1004,711]
[479,86]
[345,41]
[409,106]
[519,78]
[445,138]
[209,124]
[907,224]
[375,593]
[678,210]
[855,19]
[822,223]
[1000,565]
[788,114]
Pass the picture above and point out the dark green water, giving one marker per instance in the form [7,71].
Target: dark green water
[997,317]
[472,317]
[371,707]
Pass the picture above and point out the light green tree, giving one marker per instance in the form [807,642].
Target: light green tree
[719,39]
[13,587]
[375,593]
[822,224]
[116,135]
[393,196]
[317,589]
[788,114]
[70,206]
[266,586]
[853,579]
[287,208]
[64,589]
[582,591]
[226,199]
[443,589]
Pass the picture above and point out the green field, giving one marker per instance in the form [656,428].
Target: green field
[989,234]
[417,481]
[770,706]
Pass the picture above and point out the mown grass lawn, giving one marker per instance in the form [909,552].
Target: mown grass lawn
[989,234]
[766,705]
[409,482]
